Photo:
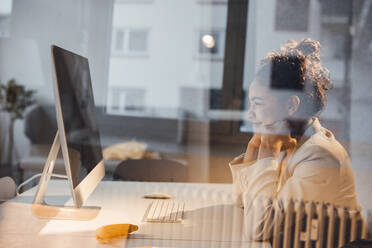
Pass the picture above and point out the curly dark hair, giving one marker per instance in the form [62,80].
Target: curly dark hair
[297,67]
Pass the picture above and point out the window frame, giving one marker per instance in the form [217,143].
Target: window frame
[232,93]
[123,93]
[126,51]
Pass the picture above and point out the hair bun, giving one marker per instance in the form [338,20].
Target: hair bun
[298,65]
[308,48]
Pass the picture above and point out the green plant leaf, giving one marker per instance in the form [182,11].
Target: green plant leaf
[14,98]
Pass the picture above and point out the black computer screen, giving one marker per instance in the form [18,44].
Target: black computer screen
[78,112]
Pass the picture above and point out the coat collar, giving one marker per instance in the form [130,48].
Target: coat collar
[313,128]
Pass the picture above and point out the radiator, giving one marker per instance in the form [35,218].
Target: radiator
[319,225]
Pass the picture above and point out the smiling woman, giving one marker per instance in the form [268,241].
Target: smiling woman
[290,156]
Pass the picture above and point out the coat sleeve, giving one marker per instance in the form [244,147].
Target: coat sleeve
[258,184]
[237,167]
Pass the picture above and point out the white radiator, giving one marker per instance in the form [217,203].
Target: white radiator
[318,225]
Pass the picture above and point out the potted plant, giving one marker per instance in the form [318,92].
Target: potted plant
[14,99]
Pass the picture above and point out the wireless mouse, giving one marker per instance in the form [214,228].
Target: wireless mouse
[157,195]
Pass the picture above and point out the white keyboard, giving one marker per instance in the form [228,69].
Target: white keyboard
[164,211]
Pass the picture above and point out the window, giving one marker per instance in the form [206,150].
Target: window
[122,99]
[134,1]
[4,26]
[211,2]
[5,12]
[211,44]
[334,29]
[197,58]
[334,40]
[6,7]
[137,41]
[130,41]
[292,15]
[119,41]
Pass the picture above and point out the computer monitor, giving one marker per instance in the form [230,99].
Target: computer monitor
[77,135]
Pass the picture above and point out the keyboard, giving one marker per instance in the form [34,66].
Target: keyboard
[164,211]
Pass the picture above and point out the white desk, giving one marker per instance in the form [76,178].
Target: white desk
[211,219]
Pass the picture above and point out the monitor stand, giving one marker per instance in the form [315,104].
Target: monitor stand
[42,210]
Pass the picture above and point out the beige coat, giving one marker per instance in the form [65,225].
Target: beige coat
[319,170]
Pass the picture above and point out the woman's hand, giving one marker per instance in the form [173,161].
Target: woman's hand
[252,149]
[274,139]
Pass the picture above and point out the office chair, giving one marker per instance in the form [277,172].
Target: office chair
[7,188]
[153,170]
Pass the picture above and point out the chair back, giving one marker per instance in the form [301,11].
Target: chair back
[7,188]
[41,124]
[153,170]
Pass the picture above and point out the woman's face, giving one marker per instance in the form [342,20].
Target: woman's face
[265,107]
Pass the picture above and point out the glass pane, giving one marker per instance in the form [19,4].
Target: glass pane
[119,43]
[342,29]
[172,66]
[292,15]
[138,41]
[115,101]
[175,81]
[5,14]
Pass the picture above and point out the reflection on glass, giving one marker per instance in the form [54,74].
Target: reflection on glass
[172,48]
[208,41]
[290,156]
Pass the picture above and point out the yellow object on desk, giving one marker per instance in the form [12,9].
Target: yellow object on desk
[104,234]
[125,150]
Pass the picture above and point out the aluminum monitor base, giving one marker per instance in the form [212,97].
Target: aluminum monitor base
[42,210]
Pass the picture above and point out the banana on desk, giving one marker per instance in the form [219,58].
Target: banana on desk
[104,234]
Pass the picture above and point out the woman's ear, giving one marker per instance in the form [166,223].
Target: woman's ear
[292,104]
